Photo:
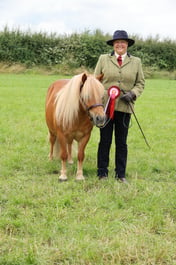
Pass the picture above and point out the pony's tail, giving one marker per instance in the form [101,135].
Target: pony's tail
[56,149]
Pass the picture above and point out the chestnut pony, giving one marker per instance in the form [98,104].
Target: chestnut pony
[73,106]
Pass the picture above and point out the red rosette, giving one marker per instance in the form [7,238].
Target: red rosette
[113,92]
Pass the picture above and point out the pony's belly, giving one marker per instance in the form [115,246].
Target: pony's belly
[78,135]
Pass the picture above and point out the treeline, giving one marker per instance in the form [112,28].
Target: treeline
[78,50]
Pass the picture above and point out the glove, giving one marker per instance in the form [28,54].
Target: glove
[128,97]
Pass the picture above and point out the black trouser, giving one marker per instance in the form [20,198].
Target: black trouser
[121,124]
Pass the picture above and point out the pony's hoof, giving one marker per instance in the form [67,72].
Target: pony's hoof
[80,178]
[62,178]
[70,161]
[50,157]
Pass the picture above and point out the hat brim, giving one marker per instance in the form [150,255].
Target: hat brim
[130,42]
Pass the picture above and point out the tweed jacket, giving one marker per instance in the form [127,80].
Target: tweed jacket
[128,76]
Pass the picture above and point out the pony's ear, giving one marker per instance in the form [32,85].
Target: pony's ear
[84,77]
[100,77]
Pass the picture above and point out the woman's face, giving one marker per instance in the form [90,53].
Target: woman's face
[120,46]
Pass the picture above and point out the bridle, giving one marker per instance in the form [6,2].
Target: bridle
[94,106]
[88,108]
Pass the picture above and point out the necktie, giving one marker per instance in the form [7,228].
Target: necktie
[119,59]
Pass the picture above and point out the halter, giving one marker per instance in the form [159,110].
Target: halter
[88,108]
[94,106]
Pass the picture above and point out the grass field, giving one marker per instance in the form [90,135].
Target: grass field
[44,222]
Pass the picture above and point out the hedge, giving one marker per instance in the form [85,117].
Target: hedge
[78,50]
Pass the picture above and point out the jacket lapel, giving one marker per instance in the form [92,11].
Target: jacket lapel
[127,60]
[114,60]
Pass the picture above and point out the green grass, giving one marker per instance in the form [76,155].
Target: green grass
[44,222]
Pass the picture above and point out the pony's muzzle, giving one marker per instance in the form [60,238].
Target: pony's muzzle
[99,120]
[97,114]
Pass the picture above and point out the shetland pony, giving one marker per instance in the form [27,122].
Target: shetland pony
[73,106]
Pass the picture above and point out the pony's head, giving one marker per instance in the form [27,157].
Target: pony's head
[85,91]
[91,95]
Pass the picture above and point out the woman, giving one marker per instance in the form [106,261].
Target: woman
[125,71]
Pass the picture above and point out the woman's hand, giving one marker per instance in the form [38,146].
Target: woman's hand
[128,97]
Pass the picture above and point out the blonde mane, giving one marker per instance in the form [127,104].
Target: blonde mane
[67,99]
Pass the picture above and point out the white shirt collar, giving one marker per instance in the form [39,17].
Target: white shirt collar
[123,56]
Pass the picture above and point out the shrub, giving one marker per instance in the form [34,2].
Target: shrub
[79,50]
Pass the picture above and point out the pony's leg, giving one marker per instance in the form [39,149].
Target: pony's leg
[52,139]
[69,147]
[79,174]
[81,147]
[63,156]
[63,172]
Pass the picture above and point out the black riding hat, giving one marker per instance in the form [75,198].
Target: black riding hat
[120,35]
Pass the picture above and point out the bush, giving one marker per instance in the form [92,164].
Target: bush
[78,50]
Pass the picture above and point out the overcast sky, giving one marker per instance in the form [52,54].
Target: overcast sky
[144,18]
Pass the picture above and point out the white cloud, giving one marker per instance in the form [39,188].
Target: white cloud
[142,17]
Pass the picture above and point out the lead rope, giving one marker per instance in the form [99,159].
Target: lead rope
[107,118]
[104,125]
[140,128]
